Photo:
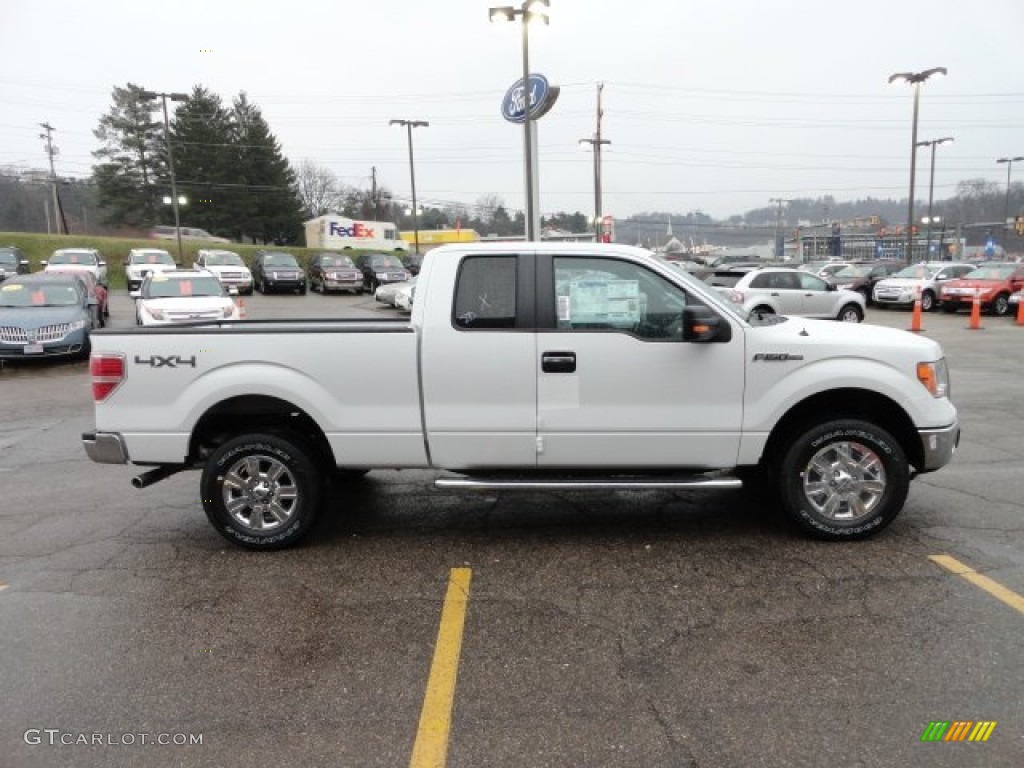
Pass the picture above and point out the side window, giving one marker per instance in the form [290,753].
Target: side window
[485,293]
[594,294]
[812,283]
[764,280]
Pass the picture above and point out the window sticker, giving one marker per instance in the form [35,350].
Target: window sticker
[185,287]
[564,309]
[616,302]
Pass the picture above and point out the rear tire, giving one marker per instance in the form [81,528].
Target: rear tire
[262,491]
[851,313]
[844,480]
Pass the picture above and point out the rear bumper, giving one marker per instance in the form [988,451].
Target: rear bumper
[105,447]
[939,446]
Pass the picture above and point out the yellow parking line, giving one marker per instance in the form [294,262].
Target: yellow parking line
[994,588]
[431,747]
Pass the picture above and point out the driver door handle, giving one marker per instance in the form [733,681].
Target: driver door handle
[558,362]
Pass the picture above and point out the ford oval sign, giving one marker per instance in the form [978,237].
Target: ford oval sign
[513,106]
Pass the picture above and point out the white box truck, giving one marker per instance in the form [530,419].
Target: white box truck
[338,233]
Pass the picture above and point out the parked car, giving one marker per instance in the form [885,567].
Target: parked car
[144,261]
[12,262]
[227,266]
[790,291]
[994,284]
[823,268]
[862,276]
[405,295]
[413,262]
[1015,300]
[45,315]
[183,296]
[277,271]
[380,268]
[95,289]
[162,232]
[903,287]
[71,259]
[334,272]
[388,293]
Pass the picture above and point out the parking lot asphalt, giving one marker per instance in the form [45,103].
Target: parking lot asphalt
[623,629]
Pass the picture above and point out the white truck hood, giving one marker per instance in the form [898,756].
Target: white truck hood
[820,339]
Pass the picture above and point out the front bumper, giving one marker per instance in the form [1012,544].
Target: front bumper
[939,446]
[105,447]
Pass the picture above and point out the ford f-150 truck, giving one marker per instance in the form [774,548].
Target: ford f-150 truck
[529,366]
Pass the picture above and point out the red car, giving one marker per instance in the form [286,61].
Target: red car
[95,289]
[995,282]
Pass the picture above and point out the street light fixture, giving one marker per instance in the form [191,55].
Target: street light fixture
[915,79]
[149,95]
[931,187]
[527,12]
[409,125]
[1009,165]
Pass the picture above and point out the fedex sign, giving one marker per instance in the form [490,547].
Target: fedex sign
[357,229]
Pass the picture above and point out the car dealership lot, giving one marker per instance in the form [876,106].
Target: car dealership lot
[623,629]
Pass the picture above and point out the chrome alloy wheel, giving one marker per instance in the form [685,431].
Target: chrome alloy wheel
[260,493]
[844,481]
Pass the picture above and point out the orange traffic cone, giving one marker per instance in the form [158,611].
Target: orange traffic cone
[915,317]
[975,324]
[241,308]
[1020,311]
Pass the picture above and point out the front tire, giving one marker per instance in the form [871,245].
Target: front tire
[1001,305]
[844,480]
[927,301]
[261,491]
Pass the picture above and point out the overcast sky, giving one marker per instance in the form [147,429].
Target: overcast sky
[711,105]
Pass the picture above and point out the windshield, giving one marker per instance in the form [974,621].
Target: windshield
[38,295]
[280,260]
[854,272]
[336,261]
[990,273]
[153,257]
[8,259]
[385,260]
[226,259]
[918,272]
[163,287]
[74,257]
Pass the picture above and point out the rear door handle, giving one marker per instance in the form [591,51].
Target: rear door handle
[558,362]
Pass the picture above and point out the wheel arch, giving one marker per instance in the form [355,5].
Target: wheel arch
[256,413]
[845,403]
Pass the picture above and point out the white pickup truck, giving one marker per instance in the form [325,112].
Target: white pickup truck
[529,366]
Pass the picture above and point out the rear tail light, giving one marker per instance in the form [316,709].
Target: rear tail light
[737,297]
[107,372]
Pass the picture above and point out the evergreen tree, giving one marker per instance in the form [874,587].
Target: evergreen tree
[132,163]
[204,160]
[266,207]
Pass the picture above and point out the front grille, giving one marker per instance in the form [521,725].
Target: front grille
[14,335]
[233,275]
[184,317]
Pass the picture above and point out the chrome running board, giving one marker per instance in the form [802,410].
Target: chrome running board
[588,483]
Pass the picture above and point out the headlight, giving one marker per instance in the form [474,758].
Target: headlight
[934,377]
[156,314]
[78,325]
[229,310]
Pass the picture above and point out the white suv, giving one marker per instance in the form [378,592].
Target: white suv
[78,259]
[788,291]
[228,266]
[144,261]
[903,287]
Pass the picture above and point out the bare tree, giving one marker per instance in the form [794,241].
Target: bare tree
[317,188]
[487,206]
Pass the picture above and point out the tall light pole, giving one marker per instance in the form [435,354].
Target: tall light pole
[915,79]
[409,125]
[596,143]
[1009,165]
[931,187]
[529,10]
[170,157]
[778,224]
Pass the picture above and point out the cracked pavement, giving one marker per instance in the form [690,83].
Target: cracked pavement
[616,629]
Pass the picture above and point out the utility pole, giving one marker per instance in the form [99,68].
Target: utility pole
[51,151]
[149,96]
[778,225]
[596,142]
[373,192]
